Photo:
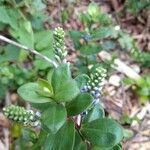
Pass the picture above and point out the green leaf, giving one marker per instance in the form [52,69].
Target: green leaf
[103,132]
[127,134]
[126,41]
[42,106]
[79,144]
[12,52]
[90,49]
[29,93]
[82,80]
[108,45]
[105,32]
[45,88]
[66,91]
[9,16]
[43,40]
[96,112]
[54,117]
[4,17]
[49,75]
[43,135]
[65,88]
[63,139]
[79,104]
[116,147]
[93,10]
[38,5]
[43,65]
[104,19]
[76,36]
[24,33]
[61,73]
[2,91]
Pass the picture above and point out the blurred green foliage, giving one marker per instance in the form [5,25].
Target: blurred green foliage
[141,87]
[135,6]
[23,21]
[101,32]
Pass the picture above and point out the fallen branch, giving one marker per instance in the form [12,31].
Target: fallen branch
[120,66]
[33,51]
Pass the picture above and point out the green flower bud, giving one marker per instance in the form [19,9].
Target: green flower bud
[59,44]
[21,115]
[97,79]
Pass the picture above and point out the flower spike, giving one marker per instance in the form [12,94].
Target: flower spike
[21,115]
[59,44]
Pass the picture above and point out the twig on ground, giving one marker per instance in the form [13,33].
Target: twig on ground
[120,66]
[33,51]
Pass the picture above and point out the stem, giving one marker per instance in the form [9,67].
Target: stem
[33,51]
[78,130]
[80,134]
[77,127]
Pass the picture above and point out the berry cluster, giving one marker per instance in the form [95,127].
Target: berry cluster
[21,115]
[59,44]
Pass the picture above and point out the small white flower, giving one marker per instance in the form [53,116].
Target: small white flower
[117,28]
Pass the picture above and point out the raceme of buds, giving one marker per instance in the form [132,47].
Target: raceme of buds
[96,82]
[94,86]
[21,115]
[59,44]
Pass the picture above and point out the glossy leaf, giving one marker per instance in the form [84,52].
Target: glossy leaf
[63,139]
[28,92]
[65,88]
[42,106]
[103,132]
[45,88]
[54,117]
[79,104]
[79,144]
[95,113]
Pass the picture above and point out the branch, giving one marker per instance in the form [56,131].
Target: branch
[120,66]
[33,51]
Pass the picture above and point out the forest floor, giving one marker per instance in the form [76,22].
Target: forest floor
[119,100]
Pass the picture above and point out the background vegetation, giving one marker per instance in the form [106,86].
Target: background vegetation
[100,33]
